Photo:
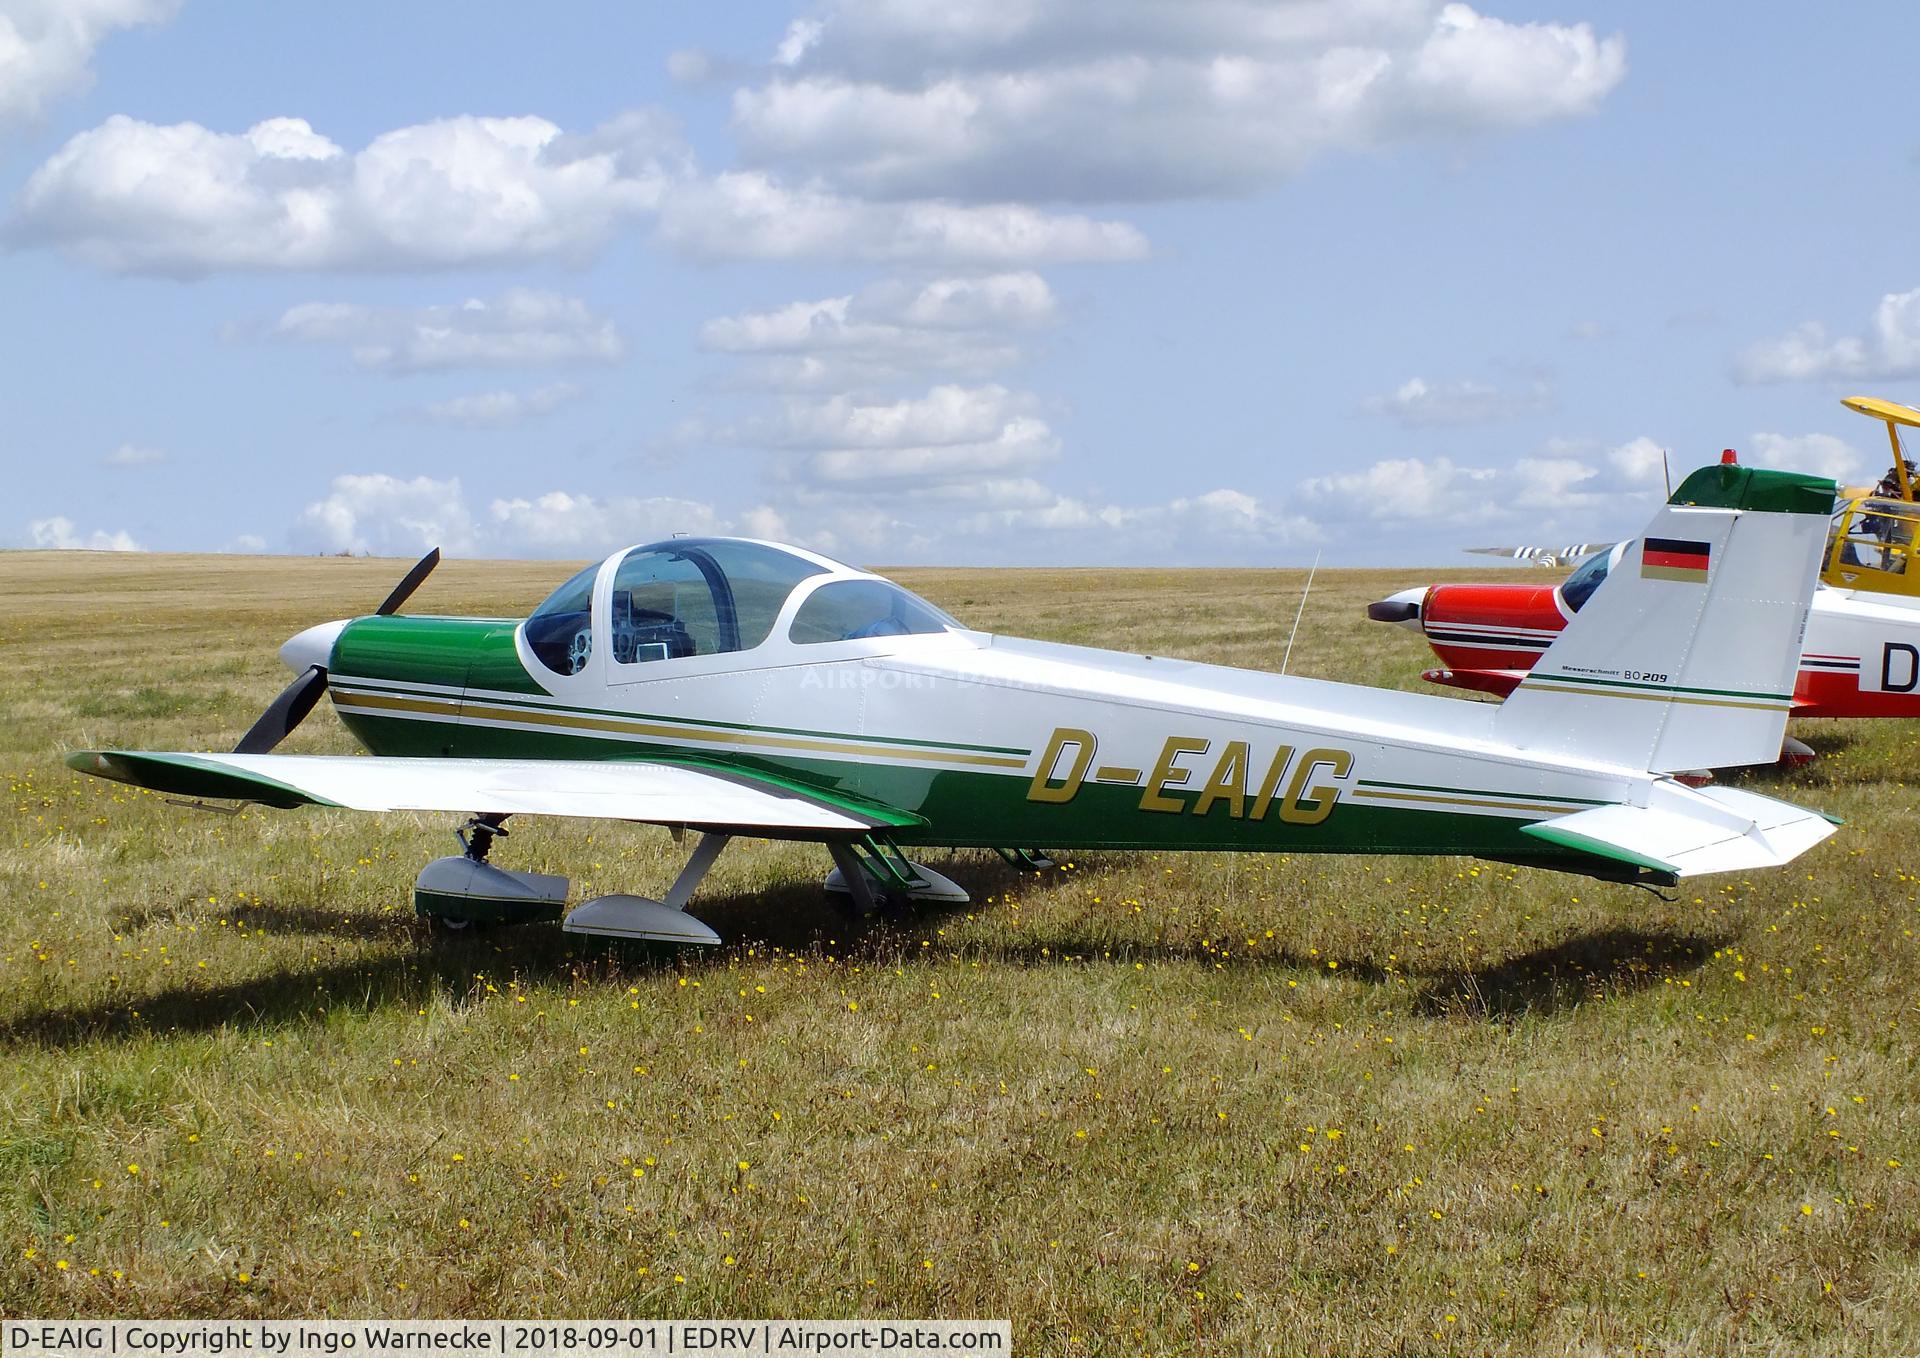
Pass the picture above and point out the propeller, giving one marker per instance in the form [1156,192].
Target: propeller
[297,699]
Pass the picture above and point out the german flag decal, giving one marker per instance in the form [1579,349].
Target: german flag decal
[1674,559]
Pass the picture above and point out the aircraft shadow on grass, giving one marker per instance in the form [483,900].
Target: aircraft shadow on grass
[1565,975]
[794,918]
[276,918]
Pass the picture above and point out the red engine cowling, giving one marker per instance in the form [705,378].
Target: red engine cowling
[1488,636]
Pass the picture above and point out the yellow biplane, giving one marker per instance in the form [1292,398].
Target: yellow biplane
[1874,535]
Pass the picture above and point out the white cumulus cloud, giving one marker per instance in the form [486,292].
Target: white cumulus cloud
[963,326]
[1418,403]
[1409,488]
[384,515]
[59,534]
[945,415]
[46,45]
[561,523]
[1820,454]
[380,515]
[185,200]
[522,328]
[1131,100]
[502,409]
[1566,490]
[1219,526]
[950,436]
[1890,348]
[749,214]
[182,200]
[1019,445]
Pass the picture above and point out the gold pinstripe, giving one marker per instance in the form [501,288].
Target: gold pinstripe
[373,704]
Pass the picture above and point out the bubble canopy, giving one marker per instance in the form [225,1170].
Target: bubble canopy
[690,597]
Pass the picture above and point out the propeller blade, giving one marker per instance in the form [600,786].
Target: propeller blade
[409,583]
[285,712]
[296,700]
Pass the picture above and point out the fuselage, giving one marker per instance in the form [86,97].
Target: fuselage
[995,741]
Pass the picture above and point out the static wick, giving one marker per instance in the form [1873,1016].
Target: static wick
[1299,611]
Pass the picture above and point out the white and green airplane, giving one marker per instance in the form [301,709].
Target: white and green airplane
[737,687]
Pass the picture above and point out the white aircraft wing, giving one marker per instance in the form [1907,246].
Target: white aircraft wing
[1570,554]
[650,792]
[1691,831]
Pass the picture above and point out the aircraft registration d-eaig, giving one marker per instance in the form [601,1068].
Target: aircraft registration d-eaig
[740,687]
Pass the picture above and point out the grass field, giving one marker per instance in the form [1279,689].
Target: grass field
[1149,1104]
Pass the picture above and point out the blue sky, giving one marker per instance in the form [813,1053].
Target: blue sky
[1199,281]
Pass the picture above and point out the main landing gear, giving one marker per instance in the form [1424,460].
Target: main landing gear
[462,891]
[459,892]
[871,872]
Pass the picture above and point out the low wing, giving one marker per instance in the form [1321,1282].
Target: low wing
[1690,831]
[654,793]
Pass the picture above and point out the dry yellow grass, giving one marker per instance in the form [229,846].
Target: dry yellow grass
[1154,1103]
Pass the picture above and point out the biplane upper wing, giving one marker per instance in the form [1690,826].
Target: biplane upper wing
[1569,554]
[652,792]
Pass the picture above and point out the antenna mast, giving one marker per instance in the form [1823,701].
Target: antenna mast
[1305,591]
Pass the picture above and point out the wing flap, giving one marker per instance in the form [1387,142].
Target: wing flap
[1691,831]
[646,791]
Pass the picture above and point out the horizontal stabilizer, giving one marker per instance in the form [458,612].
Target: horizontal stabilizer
[647,791]
[1690,831]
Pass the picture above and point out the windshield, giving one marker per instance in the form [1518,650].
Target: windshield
[851,610]
[1577,588]
[1873,534]
[560,631]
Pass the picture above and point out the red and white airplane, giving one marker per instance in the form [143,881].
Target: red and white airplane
[1861,653]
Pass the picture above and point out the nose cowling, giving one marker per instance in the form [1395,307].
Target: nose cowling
[314,646]
[1403,608]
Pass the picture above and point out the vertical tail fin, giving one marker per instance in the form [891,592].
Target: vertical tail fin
[1686,657]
